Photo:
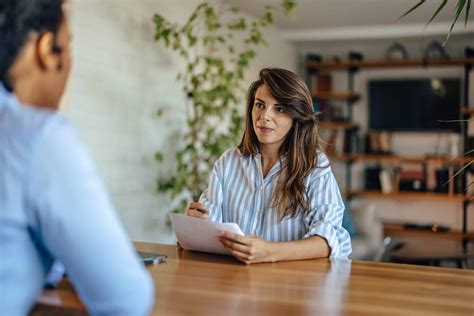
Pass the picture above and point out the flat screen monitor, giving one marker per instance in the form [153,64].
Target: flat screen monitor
[414,104]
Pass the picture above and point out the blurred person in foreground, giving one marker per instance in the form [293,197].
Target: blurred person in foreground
[53,206]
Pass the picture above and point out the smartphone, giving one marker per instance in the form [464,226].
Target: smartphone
[149,258]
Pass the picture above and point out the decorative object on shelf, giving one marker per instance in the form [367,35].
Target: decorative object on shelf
[470,179]
[337,113]
[469,52]
[470,144]
[355,56]
[454,146]
[372,178]
[446,183]
[396,52]
[390,179]
[314,57]
[378,143]
[323,84]
[412,177]
[386,181]
[435,51]
[431,227]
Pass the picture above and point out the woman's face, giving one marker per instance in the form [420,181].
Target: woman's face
[270,121]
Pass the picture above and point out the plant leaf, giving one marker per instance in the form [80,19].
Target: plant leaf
[468,8]
[441,6]
[459,171]
[159,156]
[413,8]
[469,152]
[288,5]
[460,6]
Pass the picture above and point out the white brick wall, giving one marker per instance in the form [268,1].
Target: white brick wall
[120,78]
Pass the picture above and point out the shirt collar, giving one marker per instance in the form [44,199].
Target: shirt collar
[7,99]
[277,167]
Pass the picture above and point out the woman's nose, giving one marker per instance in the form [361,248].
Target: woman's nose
[266,114]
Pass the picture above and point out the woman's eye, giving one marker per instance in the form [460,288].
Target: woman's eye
[280,110]
[258,105]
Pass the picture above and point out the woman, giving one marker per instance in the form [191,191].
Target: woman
[277,185]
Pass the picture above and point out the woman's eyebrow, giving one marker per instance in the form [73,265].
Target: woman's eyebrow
[260,100]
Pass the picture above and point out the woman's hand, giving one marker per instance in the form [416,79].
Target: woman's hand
[248,249]
[198,210]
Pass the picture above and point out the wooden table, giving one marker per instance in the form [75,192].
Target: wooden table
[191,283]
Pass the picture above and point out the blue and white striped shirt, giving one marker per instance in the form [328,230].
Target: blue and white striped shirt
[238,193]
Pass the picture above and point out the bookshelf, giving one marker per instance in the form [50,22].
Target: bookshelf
[337,125]
[398,229]
[349,156]
[394,159]
[341,96]
[346,65]
[411,195]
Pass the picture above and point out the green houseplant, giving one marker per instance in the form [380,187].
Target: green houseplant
[216,45]
[462,5]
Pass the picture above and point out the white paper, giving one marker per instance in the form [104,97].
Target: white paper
[200,234]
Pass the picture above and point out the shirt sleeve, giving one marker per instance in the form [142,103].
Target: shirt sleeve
[79,227]
[325,216]
[212,197]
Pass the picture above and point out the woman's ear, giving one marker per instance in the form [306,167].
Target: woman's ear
[47,58]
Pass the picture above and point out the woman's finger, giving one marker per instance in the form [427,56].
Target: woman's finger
[195,213]
[239,255]
[234,246]
[199,206]
[234,237]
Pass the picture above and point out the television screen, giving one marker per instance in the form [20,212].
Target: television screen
[414,104]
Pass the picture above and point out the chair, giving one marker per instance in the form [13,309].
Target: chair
[368,243]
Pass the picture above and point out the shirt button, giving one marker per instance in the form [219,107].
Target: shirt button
[261,187]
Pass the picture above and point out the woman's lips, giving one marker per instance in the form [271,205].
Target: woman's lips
[265,129]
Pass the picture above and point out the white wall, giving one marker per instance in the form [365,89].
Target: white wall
[415,144]
[120,78]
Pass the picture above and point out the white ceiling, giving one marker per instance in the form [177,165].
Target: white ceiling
[317,19]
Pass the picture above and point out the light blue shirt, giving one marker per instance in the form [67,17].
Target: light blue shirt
[53,206]
[238,193]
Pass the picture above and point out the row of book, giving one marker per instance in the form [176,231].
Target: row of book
[417,177]
[337,141]
[342,141]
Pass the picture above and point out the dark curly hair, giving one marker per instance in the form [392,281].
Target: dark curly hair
[18,18]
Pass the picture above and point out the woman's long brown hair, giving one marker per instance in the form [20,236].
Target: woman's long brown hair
[301,144]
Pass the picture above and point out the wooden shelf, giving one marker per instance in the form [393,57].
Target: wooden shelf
[344,65]
[403,159]
[341,96]
[397,229]
[337,125]
[467,111]
[408,195]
